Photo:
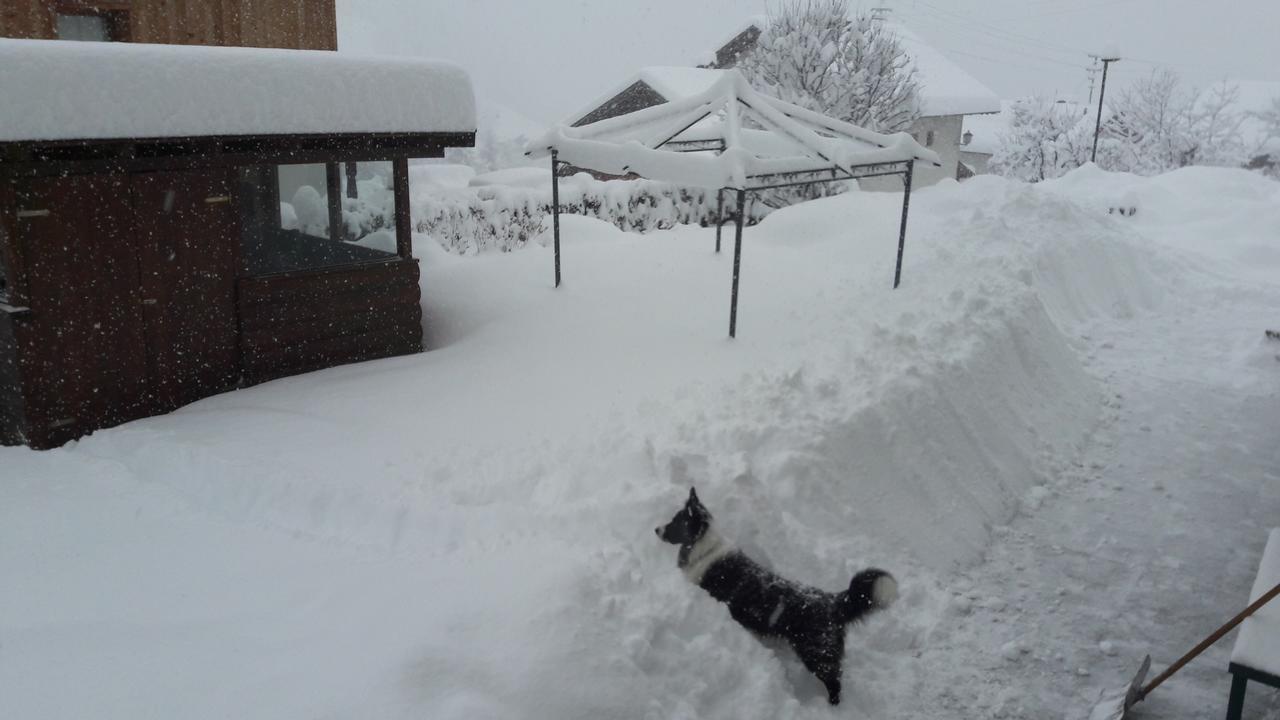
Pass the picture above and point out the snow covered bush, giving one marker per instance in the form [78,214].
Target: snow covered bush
[855,69]
[1156,125]
[490,153]
[503,218]
[1044,140]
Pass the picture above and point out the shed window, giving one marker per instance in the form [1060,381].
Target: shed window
[92,21]
[300,217]
[928,139]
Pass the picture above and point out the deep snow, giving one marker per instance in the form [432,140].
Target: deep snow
[1059,434]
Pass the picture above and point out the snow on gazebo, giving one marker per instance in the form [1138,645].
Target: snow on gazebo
[702,141]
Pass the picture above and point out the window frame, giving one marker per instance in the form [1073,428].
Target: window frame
[114,14]
[334,170]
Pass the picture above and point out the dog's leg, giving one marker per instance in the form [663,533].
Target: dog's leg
[824,657]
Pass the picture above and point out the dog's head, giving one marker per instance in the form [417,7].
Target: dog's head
[688,525]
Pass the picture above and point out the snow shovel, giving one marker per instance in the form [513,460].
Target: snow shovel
[1115,705]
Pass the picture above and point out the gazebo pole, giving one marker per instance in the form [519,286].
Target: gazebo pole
[737,262]
[902,230]
[719,215]
[555,209]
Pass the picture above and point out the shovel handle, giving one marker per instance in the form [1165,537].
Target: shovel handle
[1215,637]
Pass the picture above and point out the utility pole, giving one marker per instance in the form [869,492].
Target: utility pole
[1097,128]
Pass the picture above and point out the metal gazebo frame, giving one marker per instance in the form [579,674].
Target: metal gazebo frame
[888,155]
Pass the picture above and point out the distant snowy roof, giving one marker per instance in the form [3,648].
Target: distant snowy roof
[58,90]
[946,88]
[669,81]
[659,142]
[678,83]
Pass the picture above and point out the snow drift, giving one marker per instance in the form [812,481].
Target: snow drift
[468,532]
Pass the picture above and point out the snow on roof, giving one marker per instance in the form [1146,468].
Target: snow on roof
[58,90]
[670,81]
[678,83]
[802,141]
[946,88]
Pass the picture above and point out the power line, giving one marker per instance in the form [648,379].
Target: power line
[987,28]
[1079,8]
[1002,45]
[1004,61]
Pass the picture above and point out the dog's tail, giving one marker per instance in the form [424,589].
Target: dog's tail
[871,589]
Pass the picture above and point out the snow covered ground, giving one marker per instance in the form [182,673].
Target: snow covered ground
[1059,434]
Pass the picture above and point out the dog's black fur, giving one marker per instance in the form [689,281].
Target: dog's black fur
[811,620]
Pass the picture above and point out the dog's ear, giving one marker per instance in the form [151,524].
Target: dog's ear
[695,505]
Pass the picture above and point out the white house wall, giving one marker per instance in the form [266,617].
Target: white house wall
[976,160]
[946,142]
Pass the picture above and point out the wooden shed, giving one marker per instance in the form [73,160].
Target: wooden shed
[180,221]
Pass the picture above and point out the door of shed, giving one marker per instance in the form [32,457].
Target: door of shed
[131,284]
[188,255]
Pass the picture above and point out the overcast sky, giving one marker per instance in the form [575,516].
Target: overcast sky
[547,58]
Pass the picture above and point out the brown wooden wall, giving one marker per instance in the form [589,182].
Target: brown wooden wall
[297,24]
[304,321]
[11,410]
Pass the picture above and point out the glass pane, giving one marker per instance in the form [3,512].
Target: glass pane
[83,27]
[285,211]
[304,202]
[369,205]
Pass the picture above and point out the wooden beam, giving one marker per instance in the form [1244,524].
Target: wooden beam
[333,196]
[404,222]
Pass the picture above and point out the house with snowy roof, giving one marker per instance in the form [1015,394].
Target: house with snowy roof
[948,95]
[178,220]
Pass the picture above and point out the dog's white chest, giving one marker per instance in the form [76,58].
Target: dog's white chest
[705,552]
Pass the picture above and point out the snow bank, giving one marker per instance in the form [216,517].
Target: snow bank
[1229,215]
[468,532]
[57,90]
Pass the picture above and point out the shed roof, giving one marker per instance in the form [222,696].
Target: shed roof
[59,90]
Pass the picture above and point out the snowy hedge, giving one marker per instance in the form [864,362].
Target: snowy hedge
[505,217]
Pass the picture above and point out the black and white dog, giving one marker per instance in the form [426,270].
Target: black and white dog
[811,620]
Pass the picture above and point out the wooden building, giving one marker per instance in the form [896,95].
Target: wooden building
[180,221]
[295,24]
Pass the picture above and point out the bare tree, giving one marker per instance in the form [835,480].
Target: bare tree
[1156,125]
[813,54]
[854,69]
[1044,140]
